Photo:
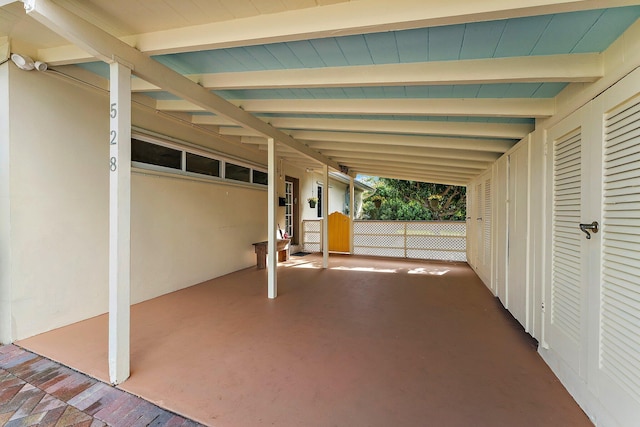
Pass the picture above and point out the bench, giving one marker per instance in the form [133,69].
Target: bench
[261,252]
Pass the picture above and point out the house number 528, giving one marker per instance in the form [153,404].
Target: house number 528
[113,137]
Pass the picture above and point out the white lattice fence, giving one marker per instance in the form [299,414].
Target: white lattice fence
[312,235]
[437,240]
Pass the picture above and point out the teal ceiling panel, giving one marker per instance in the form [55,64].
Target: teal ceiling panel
[330,52]
[355,50]
[521,35]
[502,90]
[248,61]
[549,90]
[284,56]
[457,119]
[353,92]
[607,29]
[374,92]
[481,39]
[445,43]
[493,91]
[466,91]
[444,91]
[413,45]
[382,48]
[395,92]
[306,53]
[565,31]
[522,90]
[264,56]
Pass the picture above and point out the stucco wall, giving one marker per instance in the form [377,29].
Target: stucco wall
[183,231]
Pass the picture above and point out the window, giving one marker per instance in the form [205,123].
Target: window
[169,156]
[203,165]
[319,205]
[237,172]
[260,177]
[288,209]
[153,154]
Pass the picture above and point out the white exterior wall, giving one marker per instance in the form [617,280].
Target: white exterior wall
[183,231]
[5,208]
[523,239]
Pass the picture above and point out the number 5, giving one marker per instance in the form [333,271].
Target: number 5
[114,111]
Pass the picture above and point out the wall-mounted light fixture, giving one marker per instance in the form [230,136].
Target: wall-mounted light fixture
[24,62]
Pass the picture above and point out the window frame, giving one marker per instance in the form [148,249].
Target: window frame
[185,148]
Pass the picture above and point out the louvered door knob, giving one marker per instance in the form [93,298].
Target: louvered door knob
[586,227]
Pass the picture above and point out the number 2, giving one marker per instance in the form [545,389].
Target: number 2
[114,134]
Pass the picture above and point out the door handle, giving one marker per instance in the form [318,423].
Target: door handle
[586,227]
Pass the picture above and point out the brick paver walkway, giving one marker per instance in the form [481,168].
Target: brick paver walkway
[36,391]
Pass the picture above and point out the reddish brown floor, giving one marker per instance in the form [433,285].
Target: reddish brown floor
[367,342]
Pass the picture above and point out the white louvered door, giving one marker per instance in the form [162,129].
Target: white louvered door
[619,332]
[568,156]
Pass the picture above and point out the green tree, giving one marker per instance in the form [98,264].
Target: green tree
[396,199]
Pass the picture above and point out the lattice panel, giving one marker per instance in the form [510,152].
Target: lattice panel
[458,229]
[379,241]
[312,237]
[311,226]
[437,240]
[445,243]
[437,255]
[421,239]
[379,227]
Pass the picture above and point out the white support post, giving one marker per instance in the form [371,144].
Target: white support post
[325,218]
[119,222]
[352,212]
[272,191]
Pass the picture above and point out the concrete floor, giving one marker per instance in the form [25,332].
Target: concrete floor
[367,342]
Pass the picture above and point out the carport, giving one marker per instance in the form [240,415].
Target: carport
[532,106]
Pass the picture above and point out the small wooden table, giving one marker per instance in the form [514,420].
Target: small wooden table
[261,252]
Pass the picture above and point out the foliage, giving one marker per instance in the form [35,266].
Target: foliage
[396,199]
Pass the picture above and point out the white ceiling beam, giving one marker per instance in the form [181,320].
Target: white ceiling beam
[425,163]
[390,150]
[410,155]
[482,107]
[331,149]
[471,144]
[108,48]
[355,17]
[586,67]
[413,177]
[354,164]
[482,130]
[418,172]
